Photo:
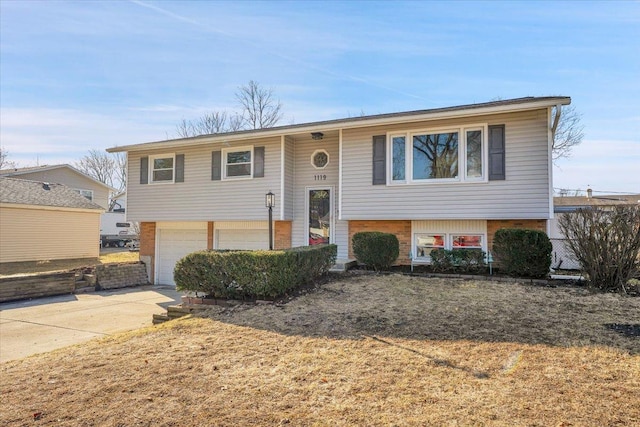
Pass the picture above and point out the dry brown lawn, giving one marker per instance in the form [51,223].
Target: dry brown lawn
[364,350]
[47,266]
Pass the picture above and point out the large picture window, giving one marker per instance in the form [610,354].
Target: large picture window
[162,168]
[435,156]
[456,154]
[238,163]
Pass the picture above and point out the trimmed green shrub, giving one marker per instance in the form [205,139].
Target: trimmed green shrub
[458,260]
[376,249]
[522,252]
[252,274]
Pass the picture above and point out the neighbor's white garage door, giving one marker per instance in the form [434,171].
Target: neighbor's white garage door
[174,244]
[243,239]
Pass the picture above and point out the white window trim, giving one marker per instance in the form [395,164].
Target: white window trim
[448,243]
[83,190]
[414,245]
[234,150]
[462,155]
[151,168]
[314,155]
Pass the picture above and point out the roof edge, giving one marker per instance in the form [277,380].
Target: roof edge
[510,105]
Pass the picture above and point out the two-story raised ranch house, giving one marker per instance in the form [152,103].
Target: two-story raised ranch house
[440,178]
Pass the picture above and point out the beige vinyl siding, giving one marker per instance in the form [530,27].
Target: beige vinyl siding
[45,234]
[524,194]
[199,198]
[71,179]
[289,178]
[305,180]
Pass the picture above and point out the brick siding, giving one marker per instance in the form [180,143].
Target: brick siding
[495,225]
[210,231]
[282,235]
[148,246]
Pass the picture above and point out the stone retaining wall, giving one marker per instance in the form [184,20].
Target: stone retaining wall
[113,276]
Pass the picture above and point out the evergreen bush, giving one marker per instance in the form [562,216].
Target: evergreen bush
[458,260]
[252,274]
[376,249]
[522,252]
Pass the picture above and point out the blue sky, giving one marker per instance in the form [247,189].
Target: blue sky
[89,74]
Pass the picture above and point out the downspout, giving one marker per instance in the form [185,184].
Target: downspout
[556,120]
[552,133]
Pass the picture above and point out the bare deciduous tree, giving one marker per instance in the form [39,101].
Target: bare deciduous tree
[606,243]
[260,108]
[210,123]
[5,163]
[110,169]
[568,133]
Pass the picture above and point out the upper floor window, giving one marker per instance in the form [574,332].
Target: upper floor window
[86,193]
[456,154]
[238,162]
[162,168]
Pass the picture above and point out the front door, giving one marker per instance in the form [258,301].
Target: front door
[320,219]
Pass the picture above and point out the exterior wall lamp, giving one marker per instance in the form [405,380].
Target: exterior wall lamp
[317,135]
[269,202]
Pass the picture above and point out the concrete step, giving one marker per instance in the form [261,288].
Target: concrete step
[343,265]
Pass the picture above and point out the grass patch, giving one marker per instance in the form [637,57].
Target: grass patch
[365,350]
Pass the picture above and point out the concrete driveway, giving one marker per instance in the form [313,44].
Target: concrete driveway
[45,324]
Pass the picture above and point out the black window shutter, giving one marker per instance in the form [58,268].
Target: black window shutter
[258,162]
[179,168]
[497,170]
[216,165]
[379,160]
[144,170]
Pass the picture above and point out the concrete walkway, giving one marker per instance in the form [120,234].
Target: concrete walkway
[44,324]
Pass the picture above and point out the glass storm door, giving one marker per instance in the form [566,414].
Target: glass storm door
[319,216]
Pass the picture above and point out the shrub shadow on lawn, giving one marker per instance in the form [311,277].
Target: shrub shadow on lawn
[398,306]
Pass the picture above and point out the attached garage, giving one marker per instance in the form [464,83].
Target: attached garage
[251,235]
[174,240]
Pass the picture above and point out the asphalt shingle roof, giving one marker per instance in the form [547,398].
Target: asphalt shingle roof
[25,192]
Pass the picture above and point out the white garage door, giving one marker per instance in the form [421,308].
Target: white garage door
[243,239]
[174,244]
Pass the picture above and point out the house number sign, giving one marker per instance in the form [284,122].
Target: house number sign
[319,177]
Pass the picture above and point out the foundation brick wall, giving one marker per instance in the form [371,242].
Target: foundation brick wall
[401,229]
[148,246]
[282,235]
[113,276]
[495,225]
[210,230]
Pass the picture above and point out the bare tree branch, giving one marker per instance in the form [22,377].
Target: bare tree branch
[4,162]
[104,167]
[261,109]
[568,134]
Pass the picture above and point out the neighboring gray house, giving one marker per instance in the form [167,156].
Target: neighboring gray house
[82,183]
[45,221]
[446,177]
